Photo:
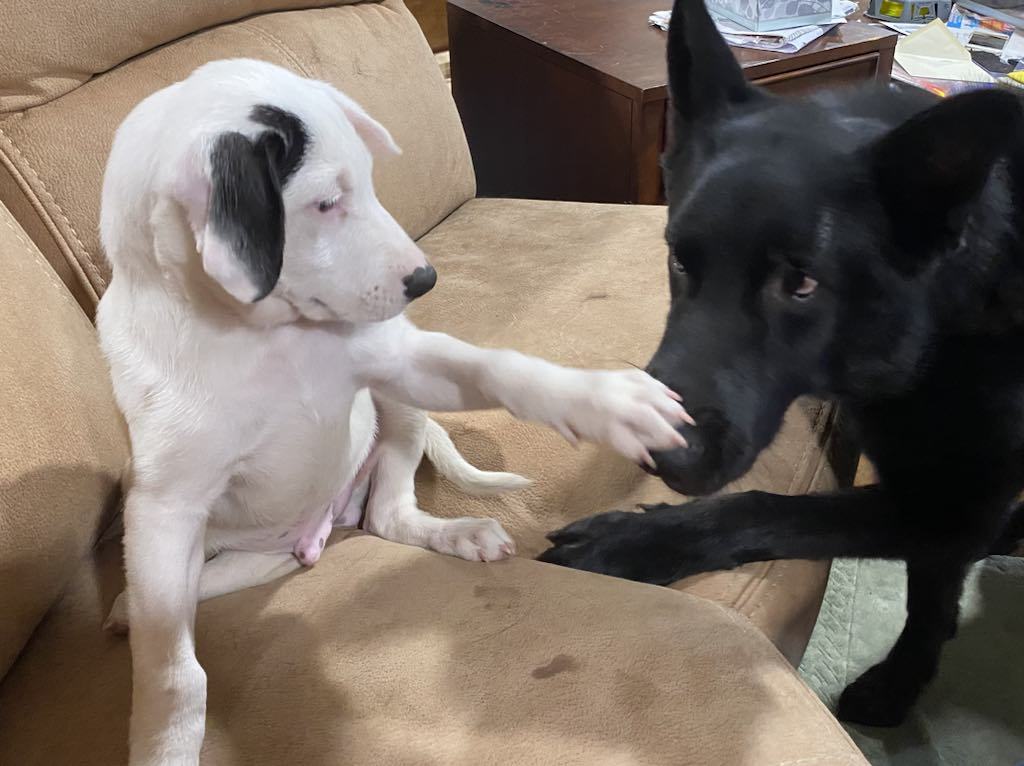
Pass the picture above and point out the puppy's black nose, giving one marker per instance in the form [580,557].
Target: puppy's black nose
[419,282]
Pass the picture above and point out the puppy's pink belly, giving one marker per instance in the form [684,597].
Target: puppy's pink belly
[341,512]
[305,538]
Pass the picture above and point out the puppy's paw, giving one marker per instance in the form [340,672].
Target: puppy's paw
[473,540]
[627,410]
[117,621]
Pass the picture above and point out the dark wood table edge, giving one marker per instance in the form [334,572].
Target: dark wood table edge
[884,46]
[459,15]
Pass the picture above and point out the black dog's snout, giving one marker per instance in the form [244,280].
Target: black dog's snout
[708,462]
[419,282]
[676,461]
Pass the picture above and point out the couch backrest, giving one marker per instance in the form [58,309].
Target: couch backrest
[63,446]
[69,73]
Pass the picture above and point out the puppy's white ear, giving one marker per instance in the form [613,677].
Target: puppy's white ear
[376,137]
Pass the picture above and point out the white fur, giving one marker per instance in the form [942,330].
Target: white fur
[246,418]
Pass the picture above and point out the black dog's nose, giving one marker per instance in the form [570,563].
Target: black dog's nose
[677,462]
[419,282]
[708,462]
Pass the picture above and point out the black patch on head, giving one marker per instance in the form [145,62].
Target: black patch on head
[246,209]
[292,132]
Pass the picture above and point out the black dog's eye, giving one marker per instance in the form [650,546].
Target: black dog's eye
[799,285]
[677,265]
[328,204]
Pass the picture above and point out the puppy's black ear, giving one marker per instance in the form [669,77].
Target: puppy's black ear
[927,171]
[243,245]
[704,77]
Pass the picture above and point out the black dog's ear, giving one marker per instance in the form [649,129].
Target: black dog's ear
[243,239]
[928,170]
[704,76]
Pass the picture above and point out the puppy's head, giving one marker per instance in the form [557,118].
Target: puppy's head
[275,178]
[801,240]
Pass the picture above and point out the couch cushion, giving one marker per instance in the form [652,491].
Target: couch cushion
[387,654]
[585,284]
[97,35]
[52,157]
[62,443]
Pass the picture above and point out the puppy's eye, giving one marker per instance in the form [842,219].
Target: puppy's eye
[328,204]
[798,285]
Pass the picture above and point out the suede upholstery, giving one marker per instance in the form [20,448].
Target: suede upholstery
[386,654]
[49,51]
[64,445]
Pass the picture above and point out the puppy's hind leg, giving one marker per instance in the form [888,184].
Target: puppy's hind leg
[227,572]
[392,512]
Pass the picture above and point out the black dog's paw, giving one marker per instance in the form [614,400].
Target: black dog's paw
[634,546]
[877,698]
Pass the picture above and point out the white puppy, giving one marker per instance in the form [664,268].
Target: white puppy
[270,383]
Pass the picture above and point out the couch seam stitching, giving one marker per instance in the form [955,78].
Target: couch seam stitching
[51,227]
[84,264]
[744,597]
[45,267]
[808,448]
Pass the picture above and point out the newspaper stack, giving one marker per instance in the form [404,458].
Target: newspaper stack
[779,40]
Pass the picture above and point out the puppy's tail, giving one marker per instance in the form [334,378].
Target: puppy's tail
[449,462]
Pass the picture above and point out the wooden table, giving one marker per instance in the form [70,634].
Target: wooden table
[565,99]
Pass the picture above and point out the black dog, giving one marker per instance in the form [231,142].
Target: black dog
[867,246]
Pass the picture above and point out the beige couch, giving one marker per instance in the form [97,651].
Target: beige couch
[381,654]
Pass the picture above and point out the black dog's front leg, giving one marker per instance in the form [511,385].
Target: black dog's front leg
[671,542]
[884,694]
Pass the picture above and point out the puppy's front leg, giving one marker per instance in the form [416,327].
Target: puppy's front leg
[163,558]
[625,409]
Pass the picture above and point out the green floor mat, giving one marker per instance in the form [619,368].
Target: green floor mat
[973,714]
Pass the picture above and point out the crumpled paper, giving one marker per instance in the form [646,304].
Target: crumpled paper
[778,40]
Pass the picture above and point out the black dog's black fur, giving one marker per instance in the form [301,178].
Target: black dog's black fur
[867,246]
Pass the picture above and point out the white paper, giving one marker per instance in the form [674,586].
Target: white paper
[788,40]
[1014,48]
[903,29]
[934,53]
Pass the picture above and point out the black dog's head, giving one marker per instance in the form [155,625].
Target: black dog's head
[802,235]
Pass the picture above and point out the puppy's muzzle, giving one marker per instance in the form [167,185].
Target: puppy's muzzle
[420,282]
